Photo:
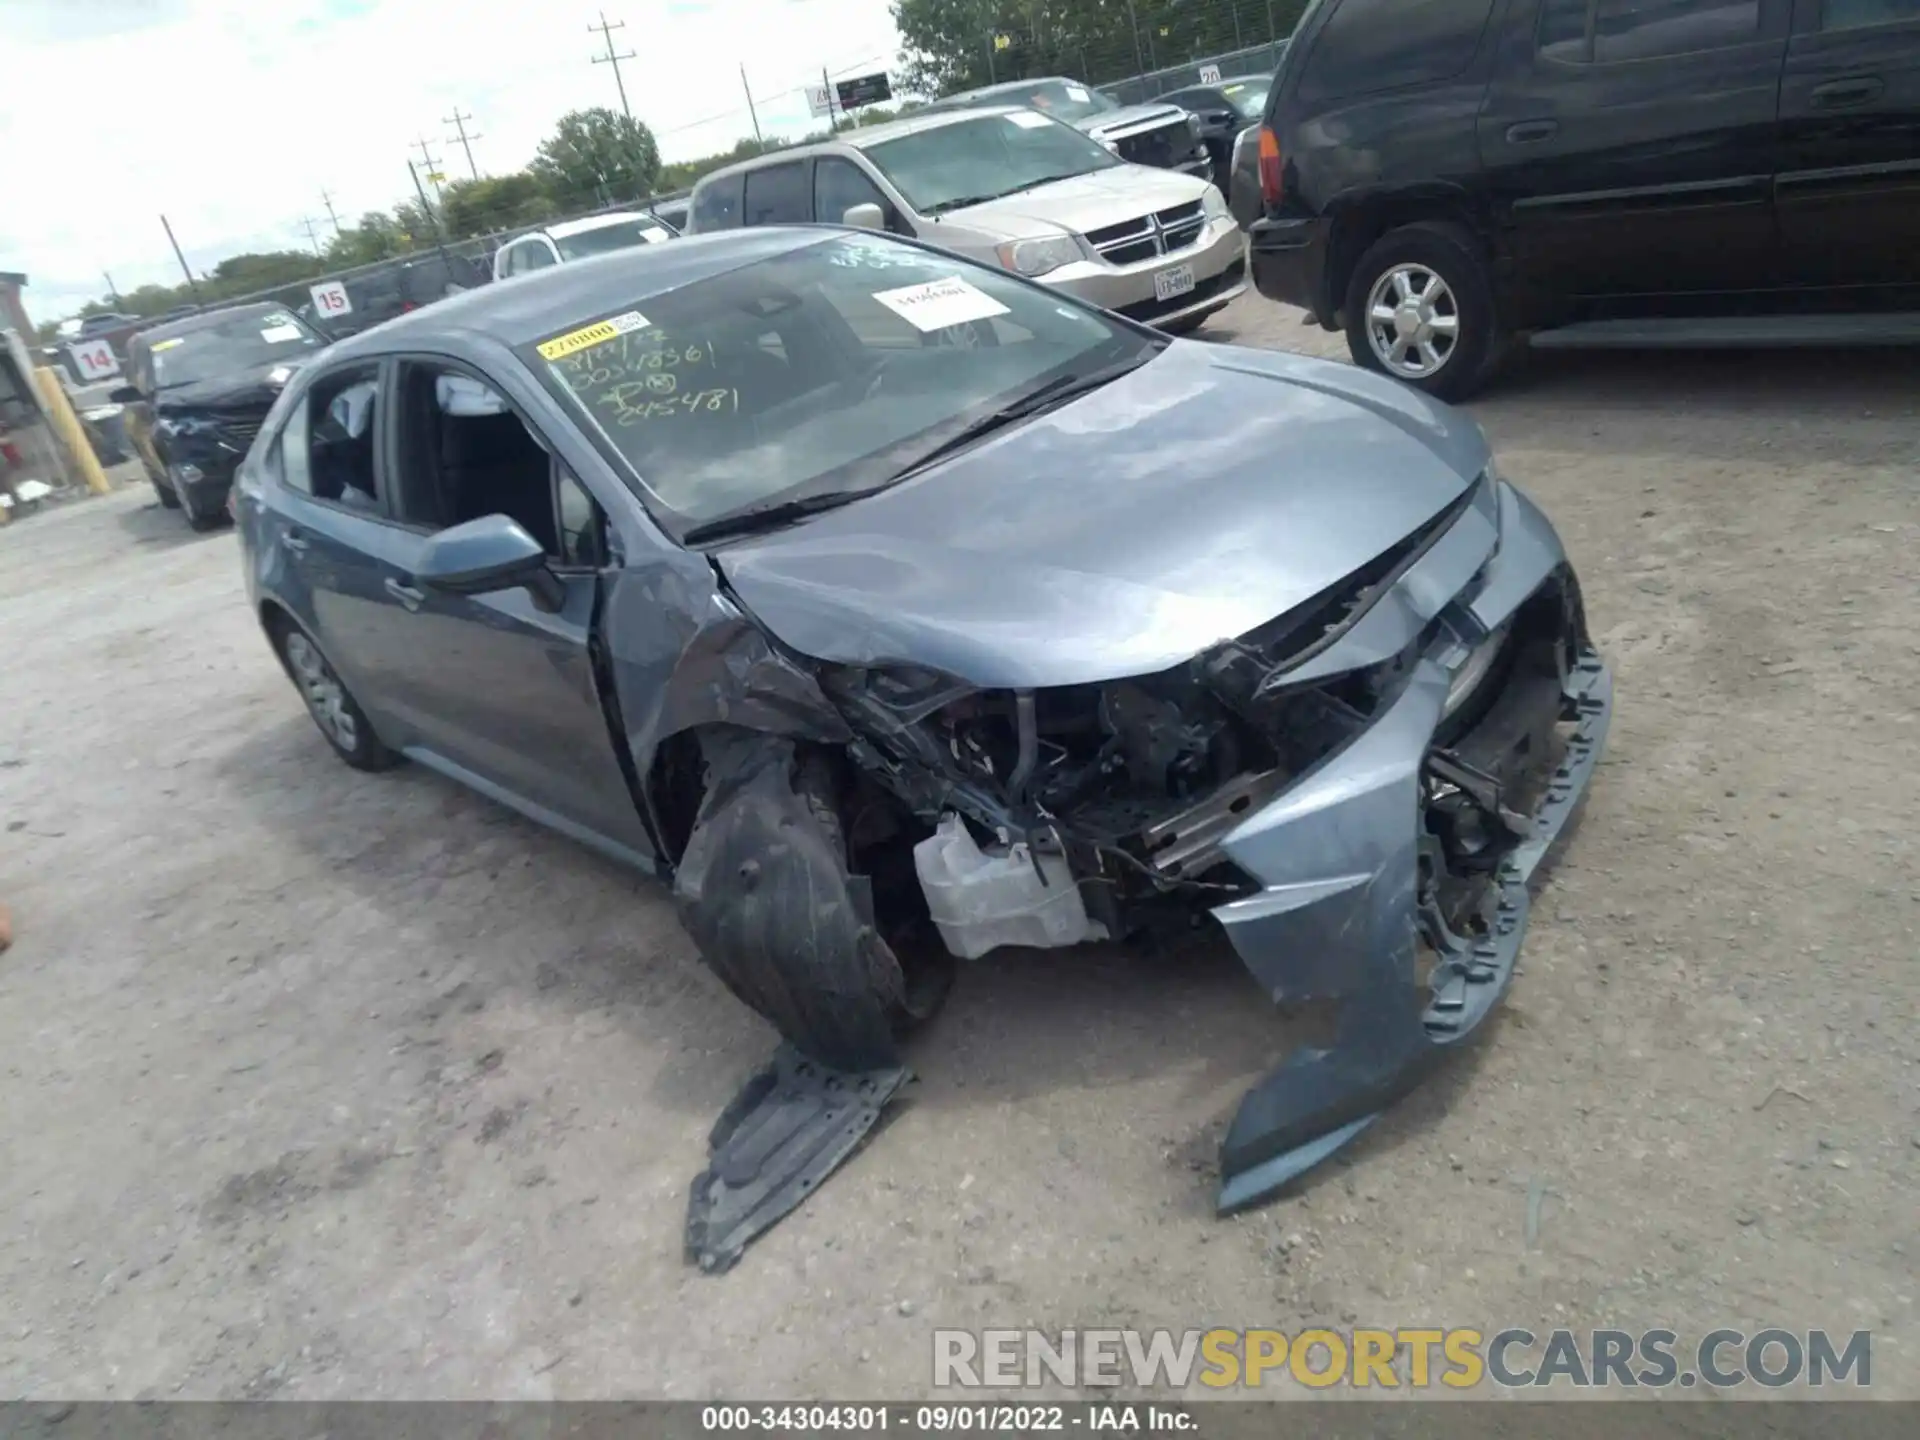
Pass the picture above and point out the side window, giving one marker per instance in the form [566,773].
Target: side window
[327,449]
[777,195]
[838,186]
[510,260]
[465,453]
[1858,14]
[534,255]
[1372,45]
[583,528]
[716,204]
[1608,31]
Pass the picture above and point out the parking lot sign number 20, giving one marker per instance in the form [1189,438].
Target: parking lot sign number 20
[330,298]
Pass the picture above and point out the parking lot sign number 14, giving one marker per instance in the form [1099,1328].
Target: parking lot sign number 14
[330,298]
[94,359]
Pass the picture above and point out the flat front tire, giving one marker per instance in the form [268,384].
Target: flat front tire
[334,710]
[1419,307]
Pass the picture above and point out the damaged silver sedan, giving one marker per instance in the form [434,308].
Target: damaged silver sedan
[897,609]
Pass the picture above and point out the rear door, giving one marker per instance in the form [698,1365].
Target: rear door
[1848,194]
[1628,144]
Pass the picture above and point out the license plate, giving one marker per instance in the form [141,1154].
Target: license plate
[1171,282]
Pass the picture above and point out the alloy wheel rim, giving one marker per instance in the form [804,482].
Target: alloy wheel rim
[326,697]
[1413,321]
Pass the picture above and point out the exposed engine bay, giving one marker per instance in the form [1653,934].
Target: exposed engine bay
[1357,793]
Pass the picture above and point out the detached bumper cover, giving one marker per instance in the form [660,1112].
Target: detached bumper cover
[1347,866]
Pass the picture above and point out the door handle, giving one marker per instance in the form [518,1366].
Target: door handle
[1528,131]
[1856,90]
[294,543]
[408,596]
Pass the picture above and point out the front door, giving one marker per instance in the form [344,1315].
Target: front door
[1628,144]
[501,689]
[1848,193]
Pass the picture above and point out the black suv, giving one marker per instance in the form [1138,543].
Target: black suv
[197,392]
[1439,175]
[379,294]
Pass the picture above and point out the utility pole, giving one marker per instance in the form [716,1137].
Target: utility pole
[312,238]
[752,114]
[833,125]
[1133,21]
[432,164]
[459,123]
[327,200]
[193,286]
[433,215]
[606,29]
[112,290]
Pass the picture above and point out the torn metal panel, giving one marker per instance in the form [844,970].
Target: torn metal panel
[790,1127]
[682,655]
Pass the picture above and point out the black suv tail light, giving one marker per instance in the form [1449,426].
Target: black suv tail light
[1270,186]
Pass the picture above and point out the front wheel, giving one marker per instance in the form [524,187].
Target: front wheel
[332,706]
[1419,307]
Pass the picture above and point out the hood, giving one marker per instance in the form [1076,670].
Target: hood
[248,389]
[1130,120]
[1111,196]
[1206,493]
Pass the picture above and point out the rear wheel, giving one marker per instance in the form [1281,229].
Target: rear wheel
[1419,307]
[332,706]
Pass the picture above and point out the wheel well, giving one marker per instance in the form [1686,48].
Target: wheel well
[1356,230]
[676,783]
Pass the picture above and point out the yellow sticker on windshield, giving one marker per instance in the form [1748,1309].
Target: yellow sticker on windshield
[160,345]
[587,336]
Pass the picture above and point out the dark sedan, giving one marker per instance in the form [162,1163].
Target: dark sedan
[895,608]
[197,391]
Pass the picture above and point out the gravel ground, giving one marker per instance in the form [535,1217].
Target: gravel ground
[317,1084]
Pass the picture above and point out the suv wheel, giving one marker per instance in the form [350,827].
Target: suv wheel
[1419,308]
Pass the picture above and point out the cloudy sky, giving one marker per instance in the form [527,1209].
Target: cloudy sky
[231,116]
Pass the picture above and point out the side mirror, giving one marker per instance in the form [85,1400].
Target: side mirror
[867,216]
[491,553]
[123,395]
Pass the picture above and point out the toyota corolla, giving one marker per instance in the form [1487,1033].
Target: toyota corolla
[894,608]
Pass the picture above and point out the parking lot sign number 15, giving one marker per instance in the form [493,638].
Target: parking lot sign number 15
[330,298]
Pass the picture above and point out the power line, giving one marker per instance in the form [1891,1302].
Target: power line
[459,123]
[606,29]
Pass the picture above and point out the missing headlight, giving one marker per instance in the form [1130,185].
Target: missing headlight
[1481,662]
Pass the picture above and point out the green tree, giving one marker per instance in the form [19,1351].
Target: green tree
[957,44]
[499,202]
[376,237]
[597,156]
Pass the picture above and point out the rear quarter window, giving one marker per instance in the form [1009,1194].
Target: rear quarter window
[716,205]
[1367,46]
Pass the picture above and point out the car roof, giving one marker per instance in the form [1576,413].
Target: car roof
[206,319]
[860,139]
[564,228]
[532,307]
[1007,87]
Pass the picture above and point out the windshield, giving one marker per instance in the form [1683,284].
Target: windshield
[983,158]
[1061,99]
[1248,97]
[602,238]
[229,347]
[826,369]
